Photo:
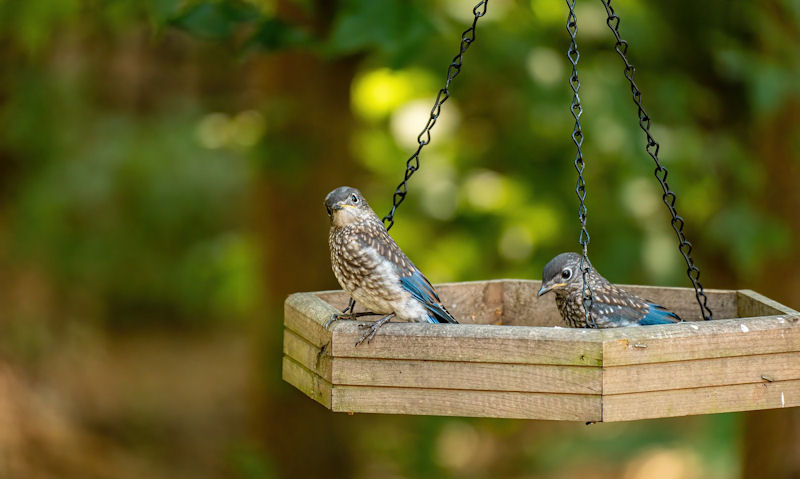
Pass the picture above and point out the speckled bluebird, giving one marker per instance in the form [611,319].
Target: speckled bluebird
[371,267]
[611,307]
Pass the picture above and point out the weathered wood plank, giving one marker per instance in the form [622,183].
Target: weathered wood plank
[752,304]
[307,382]
[308,355]
[701,373]
[471,302]
[522,307]
[444,402]
[442,374]
[514,302]
[335,297]
[305,313]
[683,301]
[709,339]
[469,376]
[471,343]
[708,400]
[474,302]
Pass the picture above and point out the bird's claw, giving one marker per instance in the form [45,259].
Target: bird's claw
[349,316]
[330,321]
[372,329]
[336,317]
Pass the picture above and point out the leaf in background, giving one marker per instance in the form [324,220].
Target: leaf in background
[274,34]
[33,24]
[749,237]
[215,20]
[392,27]
[162,11]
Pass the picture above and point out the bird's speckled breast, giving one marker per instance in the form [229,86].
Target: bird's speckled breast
[363,272]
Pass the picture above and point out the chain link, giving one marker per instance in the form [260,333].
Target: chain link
[577,137]
[685,247]
[412,164]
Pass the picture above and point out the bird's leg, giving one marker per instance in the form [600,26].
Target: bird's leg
[347,313]
[351,306]
[373,328]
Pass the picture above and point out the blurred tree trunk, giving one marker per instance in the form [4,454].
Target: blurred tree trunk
[772,437]
[772,444]
[297,257]
[303,439]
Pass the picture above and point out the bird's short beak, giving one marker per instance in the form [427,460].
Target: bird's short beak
[340,206]
[545,288]
[336,207]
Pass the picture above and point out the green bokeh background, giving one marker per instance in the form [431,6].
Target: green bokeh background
[163,165]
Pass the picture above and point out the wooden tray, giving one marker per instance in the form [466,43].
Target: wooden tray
[507,360]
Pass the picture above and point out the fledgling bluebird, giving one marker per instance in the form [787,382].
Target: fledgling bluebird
[371,267]
[611,307]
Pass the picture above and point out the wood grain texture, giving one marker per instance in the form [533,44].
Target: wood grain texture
[701,373]
[714,339]
[306,354]
[305,313]
[471,343]
[708,400]
[444,402]
[442,374]
[474,302]
[523,308]
[467,376]
[470,302]
[307,382]
[514,302]
[683,301]
[751,304]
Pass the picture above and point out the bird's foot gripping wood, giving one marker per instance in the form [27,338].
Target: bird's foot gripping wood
[373,328]
[348,313]
[351,316]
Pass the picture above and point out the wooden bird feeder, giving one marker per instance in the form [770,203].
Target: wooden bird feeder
[507,360]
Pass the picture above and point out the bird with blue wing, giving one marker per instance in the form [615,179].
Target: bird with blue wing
[373,270]
[611,306]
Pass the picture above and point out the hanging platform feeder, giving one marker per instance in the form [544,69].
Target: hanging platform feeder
[507,360]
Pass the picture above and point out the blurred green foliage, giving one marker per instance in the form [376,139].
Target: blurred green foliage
[163,164]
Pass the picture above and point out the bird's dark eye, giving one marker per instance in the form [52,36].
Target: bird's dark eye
[566,274]
[329,210]
[354,198]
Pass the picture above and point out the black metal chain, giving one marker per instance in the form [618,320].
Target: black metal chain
[685,247]
[577,137]
[412,164]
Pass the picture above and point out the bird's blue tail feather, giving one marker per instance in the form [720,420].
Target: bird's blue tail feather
[422,291]
[659,315]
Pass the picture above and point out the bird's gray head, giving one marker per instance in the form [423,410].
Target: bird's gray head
[562,274]
[346,205]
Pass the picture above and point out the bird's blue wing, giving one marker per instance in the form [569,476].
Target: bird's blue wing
[420,288]
[658,314]
[630,311]
[412,280]
[616,314]
[614,307]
